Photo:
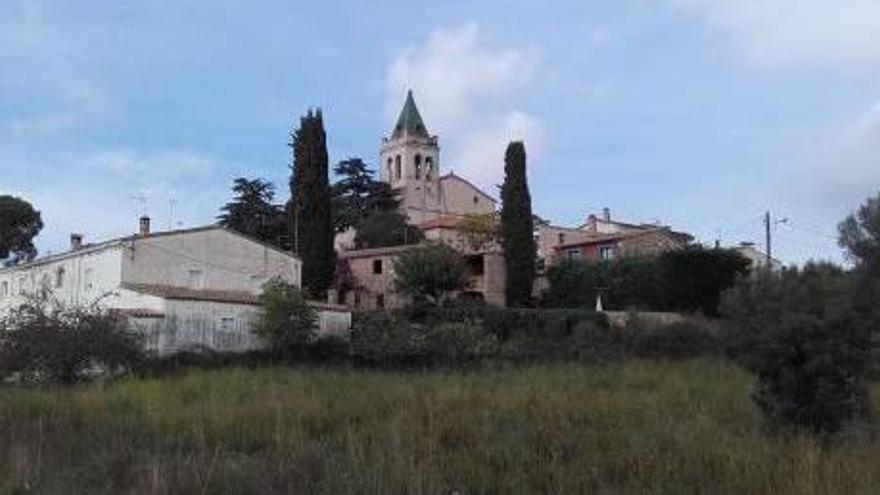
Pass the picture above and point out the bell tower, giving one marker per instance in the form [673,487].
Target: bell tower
[410,162]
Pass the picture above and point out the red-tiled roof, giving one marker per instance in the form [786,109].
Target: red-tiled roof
[185,293]
[603,238]
[441,222]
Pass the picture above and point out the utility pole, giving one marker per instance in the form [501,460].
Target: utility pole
[767,235]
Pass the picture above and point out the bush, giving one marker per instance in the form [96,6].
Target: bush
[286,320]
[378,339]
[45,341]
[689,280]
[799,334]
[457,344]
[430,273]
[679,340]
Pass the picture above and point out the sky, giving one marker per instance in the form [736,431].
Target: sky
[700,114]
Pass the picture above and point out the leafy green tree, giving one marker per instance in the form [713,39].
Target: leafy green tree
[693,279]
[798,333]
[357,194]
[253,212]
[860,234]
[285,320]
[517,228]
[311,205]
[572,284]
[385,228]
[430,273]
[860,237]
[19,224]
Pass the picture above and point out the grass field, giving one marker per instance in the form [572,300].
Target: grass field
[636,428]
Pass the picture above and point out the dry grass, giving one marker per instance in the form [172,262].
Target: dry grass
[635,428]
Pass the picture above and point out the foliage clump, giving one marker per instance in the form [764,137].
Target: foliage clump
[688,280]
[19,224]
[798,333]
[286,320]
[44,341]
[430,274]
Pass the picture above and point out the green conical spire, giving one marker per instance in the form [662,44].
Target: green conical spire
[409,122]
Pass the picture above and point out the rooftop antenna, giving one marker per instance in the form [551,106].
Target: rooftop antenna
[142,203]
[172,203]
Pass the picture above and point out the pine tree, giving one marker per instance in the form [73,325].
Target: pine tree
[253,212]
[358,194]
[517,228]
[311,204]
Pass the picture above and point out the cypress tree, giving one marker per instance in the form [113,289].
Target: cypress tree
[517,228]
[311,204]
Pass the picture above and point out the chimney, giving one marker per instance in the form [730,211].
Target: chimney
[591,222]
[606,214]
[144,226]
[76,241]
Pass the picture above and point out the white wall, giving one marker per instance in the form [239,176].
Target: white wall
[79,278]
[214,259]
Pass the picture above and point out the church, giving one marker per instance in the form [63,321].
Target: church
[432,201]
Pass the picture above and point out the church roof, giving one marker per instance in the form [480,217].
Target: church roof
[410,121]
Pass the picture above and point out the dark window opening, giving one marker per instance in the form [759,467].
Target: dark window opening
[377,267]
[380,300]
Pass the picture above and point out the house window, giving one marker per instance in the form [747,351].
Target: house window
[196,279]
[418,164]
[561,238]
[390,161]
[227,323]
[397,167]
[476,200]
[606,252]
[380,300]
[87,279]
[4,289]
[429,167]
[377,267]
[59,278]
[573,254]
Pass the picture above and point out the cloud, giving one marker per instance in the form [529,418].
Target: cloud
[96,193]
[464,88]
[794,32]
[846,163]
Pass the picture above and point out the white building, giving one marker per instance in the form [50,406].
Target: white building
[185,288]
[758,258]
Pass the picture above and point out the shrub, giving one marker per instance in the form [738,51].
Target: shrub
[799,334]
[379,339]
[45,341]
[430,273]
[598,343]
[689,280]
[286,320]
[679,340]
[457,344]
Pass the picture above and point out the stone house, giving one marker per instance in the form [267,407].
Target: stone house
[184,288]
[604,247]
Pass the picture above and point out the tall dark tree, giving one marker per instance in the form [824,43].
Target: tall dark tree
[19,224]
[517,228]
[860,237]
[386,228]
[253,212]
[311,209]
[357,194]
